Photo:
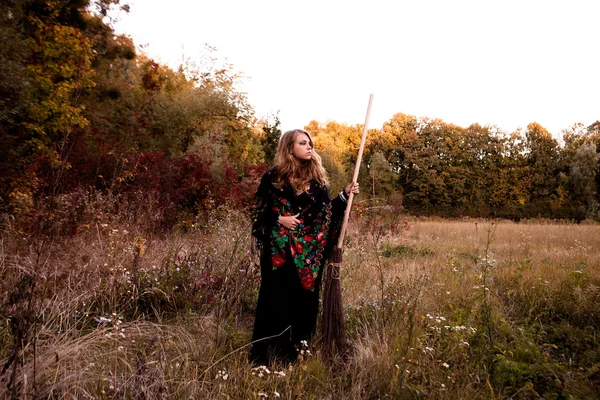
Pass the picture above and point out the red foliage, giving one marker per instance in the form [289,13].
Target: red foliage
[187,183]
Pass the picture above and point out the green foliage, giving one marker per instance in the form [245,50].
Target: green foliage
[60,72]
[272,133]
[78,105]
[405,251]
[82,106]
[444,169]
[380,176]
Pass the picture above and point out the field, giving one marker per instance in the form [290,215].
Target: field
[434,309]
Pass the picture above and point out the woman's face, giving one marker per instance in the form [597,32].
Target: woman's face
[302,149]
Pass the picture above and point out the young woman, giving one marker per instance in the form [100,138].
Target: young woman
[295,225]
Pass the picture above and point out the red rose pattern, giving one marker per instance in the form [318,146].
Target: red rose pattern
[306,248]
[277,260]
[308,282]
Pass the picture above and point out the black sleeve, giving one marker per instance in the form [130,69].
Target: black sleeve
[338,209]
[261,210]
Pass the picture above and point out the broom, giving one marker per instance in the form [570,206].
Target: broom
[332,322]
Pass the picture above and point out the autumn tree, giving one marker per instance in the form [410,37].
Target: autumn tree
[55,60]
[271,130]
[380,177]
[338,146]
[542,163]
[581,158]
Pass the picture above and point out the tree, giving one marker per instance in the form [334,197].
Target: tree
[338,145]
[381,176]
[272,133]
[542,162]
[582,160]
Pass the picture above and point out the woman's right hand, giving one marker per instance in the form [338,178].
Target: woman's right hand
[289,222]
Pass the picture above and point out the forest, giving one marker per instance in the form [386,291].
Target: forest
[124,238]
[82,112]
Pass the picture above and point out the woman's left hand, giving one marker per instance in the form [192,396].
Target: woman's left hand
[352,187]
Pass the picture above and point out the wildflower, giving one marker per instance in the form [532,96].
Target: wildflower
[102,320]
[261,370]
[445,365]
[276,393]
[221,374]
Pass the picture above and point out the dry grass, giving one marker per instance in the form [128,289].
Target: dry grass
[434,309]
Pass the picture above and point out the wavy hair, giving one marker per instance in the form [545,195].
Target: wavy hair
[297,174]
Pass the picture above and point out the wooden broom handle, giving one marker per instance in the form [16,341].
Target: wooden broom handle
[355,177]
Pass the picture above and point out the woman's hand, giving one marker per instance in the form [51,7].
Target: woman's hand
[352,187]
[289,222]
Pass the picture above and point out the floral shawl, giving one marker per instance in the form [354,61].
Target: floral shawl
[306,245]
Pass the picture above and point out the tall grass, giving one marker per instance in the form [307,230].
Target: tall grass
[434,309]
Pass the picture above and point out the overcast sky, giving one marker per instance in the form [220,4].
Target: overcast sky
[505,62]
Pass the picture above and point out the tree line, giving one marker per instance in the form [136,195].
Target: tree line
[442,169]
[82,112]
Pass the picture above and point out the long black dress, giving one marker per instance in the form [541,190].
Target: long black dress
[292,263]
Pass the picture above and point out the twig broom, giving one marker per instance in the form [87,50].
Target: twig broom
[332,323]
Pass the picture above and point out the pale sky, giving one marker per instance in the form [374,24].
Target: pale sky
[499,62]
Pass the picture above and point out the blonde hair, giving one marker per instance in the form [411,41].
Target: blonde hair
[290,170]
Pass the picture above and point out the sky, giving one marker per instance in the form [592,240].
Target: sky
[499,62]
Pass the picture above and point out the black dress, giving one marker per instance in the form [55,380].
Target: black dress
[292,263]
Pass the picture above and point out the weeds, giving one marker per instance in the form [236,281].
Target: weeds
[433,309]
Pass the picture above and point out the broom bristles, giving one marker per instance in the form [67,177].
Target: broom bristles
[332,324]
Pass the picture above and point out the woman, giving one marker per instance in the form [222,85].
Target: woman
[295,224]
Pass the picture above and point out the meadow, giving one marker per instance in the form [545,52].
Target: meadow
[434,309]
